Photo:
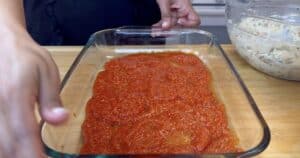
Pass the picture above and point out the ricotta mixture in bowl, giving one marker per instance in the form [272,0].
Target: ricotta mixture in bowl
[269,45]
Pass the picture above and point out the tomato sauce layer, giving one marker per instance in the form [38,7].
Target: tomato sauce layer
[158,103]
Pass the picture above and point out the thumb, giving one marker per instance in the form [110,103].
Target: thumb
[191,20]
[165,11]
[51,109]
[52,112]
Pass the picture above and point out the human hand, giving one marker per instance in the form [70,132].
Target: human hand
[27,75]
[177,12]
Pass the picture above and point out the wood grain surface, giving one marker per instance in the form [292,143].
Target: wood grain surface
[278,100]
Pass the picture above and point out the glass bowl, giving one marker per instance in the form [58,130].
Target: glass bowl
[266,33]
[243,115]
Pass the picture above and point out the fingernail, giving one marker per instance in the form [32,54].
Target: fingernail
[59,111]
[165,24]
[180,21]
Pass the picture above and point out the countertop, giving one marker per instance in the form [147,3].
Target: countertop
[278,100]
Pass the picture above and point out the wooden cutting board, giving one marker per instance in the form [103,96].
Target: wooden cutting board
[278,100]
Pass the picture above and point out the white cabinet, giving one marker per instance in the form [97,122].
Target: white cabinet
[208,1]
[212,12]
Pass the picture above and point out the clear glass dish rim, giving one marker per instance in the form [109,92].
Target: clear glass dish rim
[264,37]
[264,142]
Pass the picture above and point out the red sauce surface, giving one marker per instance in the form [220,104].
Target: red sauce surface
[155,104]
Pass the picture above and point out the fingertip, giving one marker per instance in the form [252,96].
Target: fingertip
[156,25]
[188,23]
[195,18]
[56,115]
[166,25]
[58,111]
[181,21]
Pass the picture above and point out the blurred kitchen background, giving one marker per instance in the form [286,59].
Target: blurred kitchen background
[212,14]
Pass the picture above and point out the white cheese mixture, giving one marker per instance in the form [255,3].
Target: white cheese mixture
[270,46]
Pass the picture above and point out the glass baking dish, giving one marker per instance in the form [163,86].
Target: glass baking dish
[244,117]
